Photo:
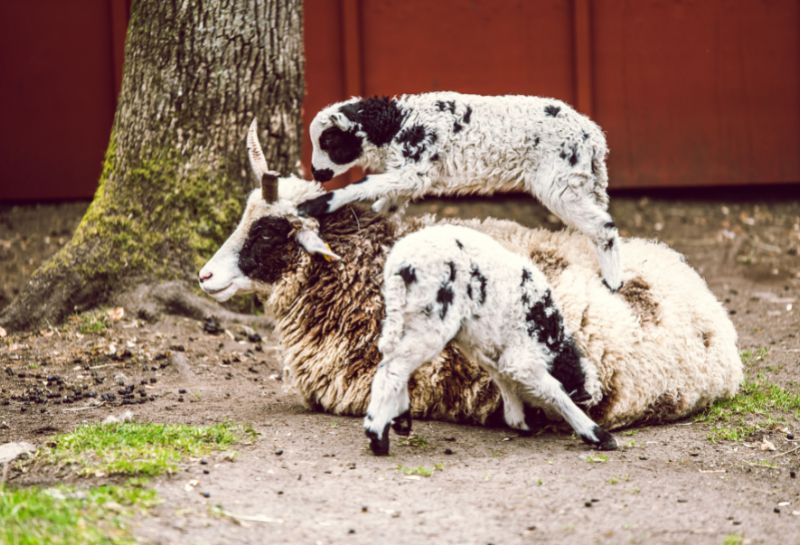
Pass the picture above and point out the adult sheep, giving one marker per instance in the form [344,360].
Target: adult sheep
[663,346]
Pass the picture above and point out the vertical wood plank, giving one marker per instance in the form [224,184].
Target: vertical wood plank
[582,43]
[353,47]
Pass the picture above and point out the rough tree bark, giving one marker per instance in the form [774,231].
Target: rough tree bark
[174,177]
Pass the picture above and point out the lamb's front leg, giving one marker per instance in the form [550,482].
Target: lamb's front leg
[383,187]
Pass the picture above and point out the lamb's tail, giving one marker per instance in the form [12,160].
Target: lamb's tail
[394,296]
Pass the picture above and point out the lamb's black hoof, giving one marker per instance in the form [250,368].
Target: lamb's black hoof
[379,445]
[402,424]
[315,207]
[613,290]
[605,441]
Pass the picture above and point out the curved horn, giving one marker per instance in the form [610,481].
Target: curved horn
[258,164]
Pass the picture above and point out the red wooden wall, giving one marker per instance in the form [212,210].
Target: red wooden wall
[690,92]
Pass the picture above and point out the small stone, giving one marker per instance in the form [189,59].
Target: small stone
[790,436]
[776,510]
[449,451]
[182,391]
[682,500]
[278,452]
[587,504]
[737,522]
[351,531]
[205,494]
[203,462]
[792,474]
[120,379]
[364,509]
[206,472]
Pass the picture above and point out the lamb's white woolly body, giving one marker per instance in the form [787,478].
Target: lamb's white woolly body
[454,144]
[447,283]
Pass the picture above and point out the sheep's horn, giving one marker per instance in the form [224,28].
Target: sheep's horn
[268,178]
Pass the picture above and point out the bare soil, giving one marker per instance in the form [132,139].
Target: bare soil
[309,477]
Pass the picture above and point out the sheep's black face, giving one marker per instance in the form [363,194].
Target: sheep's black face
[264,255]
[342,147]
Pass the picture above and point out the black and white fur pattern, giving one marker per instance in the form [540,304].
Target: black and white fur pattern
[449,143]
[448,283]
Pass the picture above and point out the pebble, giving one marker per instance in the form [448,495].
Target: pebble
[205,494]
[278,452]
[449,451]
[182,391]
[792,474]
[790,436]
[120,379]
[351,531]
[587,504]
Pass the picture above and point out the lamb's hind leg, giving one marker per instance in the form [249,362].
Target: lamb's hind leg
[389,402]
[542,389]
[570,198]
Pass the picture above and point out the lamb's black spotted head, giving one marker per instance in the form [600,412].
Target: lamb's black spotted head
[270,236]
[341,133]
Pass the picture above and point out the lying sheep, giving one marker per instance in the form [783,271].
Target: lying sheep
[662,347]
[450,283]
[453,144]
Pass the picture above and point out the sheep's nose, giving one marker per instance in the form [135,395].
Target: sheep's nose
[206,276]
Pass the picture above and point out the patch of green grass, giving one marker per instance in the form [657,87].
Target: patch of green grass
[93,323]
[596,458]
[69,516]
[630,433]
[732,539]
[754,355]
[422,471]
[759,406]
[415,441]
[143,449]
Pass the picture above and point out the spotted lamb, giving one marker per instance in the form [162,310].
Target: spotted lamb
[661,348]
[450,283]
[453,144]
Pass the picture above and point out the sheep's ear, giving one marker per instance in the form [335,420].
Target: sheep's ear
[338,119]
[312,244]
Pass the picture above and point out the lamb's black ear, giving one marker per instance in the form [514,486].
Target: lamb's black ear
[379,117]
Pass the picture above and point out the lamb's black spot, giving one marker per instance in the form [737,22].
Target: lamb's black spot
[446,105]
[552,110]
[452,270]
[460,246]
[536,141]
[469,291]
[525,299]
[322,175]
[593,165]
[609,244]
[563,154]
[526,276]
[264,254]
[610,225]
[445,298]
[342,147]
[573,158]
[435,157]
[380,117]
[545,324]
[408,274]
[457,127]
[467,115]
[427,310]
[415,140]
[475,274]
[585,135]
[315,207]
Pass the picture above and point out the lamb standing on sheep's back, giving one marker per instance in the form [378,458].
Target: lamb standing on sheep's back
[663,347]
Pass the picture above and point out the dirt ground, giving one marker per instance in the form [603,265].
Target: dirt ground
[309,477]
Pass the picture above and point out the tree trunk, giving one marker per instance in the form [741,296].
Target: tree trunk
[175,174]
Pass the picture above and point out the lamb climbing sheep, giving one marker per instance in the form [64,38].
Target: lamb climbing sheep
[661,348]
[453,144]
[450,283]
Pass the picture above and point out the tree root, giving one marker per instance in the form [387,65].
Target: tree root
[148,302]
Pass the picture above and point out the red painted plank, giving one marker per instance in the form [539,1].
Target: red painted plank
[57,98]
[699,92]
